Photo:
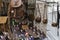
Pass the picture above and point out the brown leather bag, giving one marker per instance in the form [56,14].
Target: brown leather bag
[38,19]
[54,24]
[44,21]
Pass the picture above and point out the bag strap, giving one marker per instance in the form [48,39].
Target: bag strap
[38,9]
[44,14]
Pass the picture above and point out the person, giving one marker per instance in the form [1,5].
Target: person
[0,6]
[18,7]
[5,7]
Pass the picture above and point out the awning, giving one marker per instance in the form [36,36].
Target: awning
[3,19]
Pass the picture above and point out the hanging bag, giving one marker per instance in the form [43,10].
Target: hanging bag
[45,15]
[54,20]
[38,18]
